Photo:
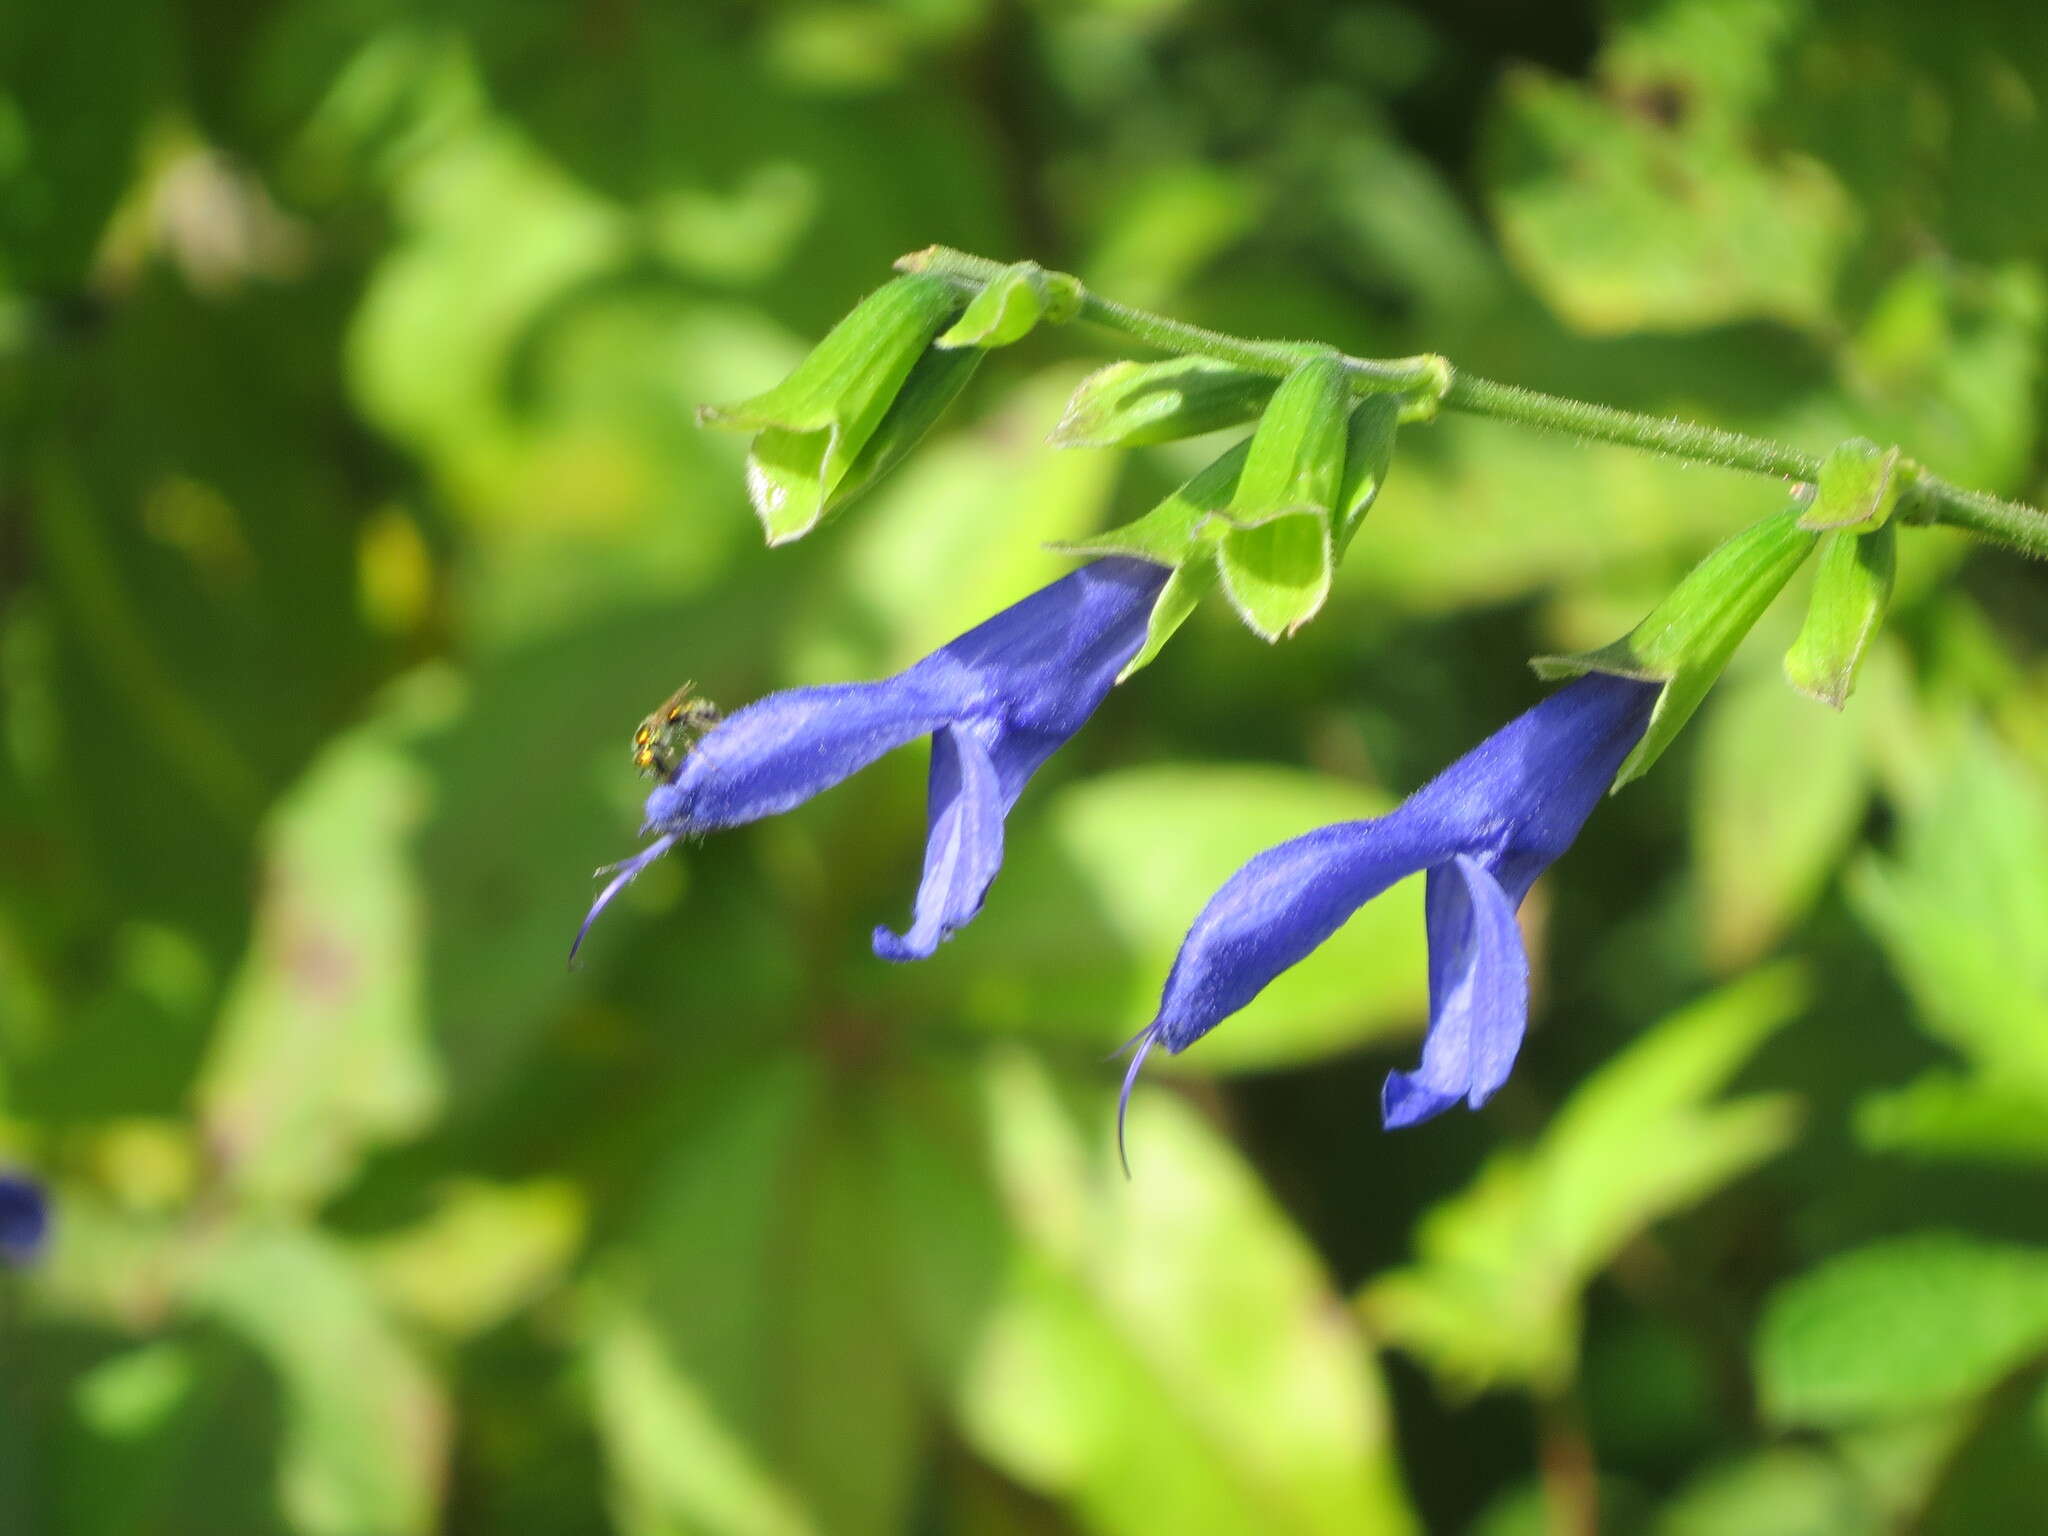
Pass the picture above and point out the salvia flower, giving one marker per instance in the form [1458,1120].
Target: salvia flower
[1484,829]
[24,1218]
[996,702]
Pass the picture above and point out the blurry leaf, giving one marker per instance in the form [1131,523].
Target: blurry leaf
[365,1424]
[1647,204]
[1899,1327]
[510,338]
[1494,1297]
[750,1375]
[1792,1491]
[1095,905]
[321,1054]
[1946,1115]
[1995,1480]
[1166,1354]
[1945,361]
[174,1435]
[680,1467]
[1932,115]
[65,169]
[485,1252]
[1779,792]
[1961,907]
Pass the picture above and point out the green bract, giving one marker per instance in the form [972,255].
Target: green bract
[1851,589]
[1129,403]
[1688,638]
[1858,487]
[1277,555]
[810,429]
[1012,304]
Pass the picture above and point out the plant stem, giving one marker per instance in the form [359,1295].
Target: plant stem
[1433,380]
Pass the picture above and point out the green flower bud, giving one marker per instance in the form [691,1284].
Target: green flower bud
[1851,589]
[1859,486]
[1277,555]
[1688,638]
[1127,404]
[811,428]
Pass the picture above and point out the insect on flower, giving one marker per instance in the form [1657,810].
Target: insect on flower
[666,736]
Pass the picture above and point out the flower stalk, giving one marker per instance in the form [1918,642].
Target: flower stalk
[1431,382]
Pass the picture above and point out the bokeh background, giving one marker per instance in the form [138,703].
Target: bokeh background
[352,512]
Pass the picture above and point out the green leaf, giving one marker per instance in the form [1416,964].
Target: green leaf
[1779,792]
[366,1427]
[1494,1295]
[812,426]
[1138,851]
[1130,403]
[1688,638]
[1166,1354]
[1900,1328]
[1859,485]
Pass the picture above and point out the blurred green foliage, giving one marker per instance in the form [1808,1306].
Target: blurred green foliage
[352,511]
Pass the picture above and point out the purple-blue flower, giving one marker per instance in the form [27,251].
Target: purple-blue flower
[1484,829]
[24,1218]
[996,702]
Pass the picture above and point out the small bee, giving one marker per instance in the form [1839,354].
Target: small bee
[665,737]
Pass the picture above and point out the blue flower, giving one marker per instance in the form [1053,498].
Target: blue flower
[1484,829]
[24,1218]
[997,702]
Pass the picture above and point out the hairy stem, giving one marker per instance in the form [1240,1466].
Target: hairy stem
[1434,382]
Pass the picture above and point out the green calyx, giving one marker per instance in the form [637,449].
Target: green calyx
[1319,497]
[1129,403]
[810,430]
[1852,587]
[1687,639]
[1858,488]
